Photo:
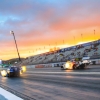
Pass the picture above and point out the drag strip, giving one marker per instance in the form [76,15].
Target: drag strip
[56,84]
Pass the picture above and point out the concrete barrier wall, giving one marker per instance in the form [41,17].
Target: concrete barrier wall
[40,66]
[30,66]
[45,65]
[94,61]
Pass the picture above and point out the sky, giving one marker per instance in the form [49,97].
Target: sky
[41,25]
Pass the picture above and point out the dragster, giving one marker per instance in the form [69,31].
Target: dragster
[13,71]
[74,65]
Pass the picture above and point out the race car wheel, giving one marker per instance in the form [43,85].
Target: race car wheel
[62,68]
[82,66]
[9,75]
[74,67]
[18,75]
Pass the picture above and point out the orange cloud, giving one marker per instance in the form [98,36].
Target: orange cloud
[49,26]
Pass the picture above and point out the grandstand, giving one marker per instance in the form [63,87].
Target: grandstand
[91,49]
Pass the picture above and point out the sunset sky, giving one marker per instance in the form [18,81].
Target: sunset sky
[39,25]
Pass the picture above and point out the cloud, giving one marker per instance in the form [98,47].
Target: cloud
[42,22]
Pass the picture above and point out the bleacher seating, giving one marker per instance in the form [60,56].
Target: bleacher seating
[65,54]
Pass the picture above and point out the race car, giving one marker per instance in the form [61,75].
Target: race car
[13,71]
[73,65]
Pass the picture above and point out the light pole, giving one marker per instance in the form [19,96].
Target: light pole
[49,46]
[94,34]
[11,32]
[56,44]
[74,40]
[82,37]
[63,42]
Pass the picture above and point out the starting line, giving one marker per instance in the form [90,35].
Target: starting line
[5,95]
[90,73]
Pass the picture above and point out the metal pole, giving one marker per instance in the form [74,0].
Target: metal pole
[63,42]
[74,40]
[49,46]
[44,47]
[56,44]
[94,34]
[82,37]
[16,45]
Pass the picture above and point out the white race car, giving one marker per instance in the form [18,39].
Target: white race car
[73,65]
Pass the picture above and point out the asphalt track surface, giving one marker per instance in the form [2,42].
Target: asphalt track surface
[56,84]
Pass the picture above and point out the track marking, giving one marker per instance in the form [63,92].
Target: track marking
[5,95]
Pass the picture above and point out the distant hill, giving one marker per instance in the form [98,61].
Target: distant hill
[12,61]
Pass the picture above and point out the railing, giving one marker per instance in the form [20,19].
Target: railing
[95,57]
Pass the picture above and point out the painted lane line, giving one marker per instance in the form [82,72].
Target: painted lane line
[91,73]
[5,95]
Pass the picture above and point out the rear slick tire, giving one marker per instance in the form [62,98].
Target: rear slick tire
[74,67]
